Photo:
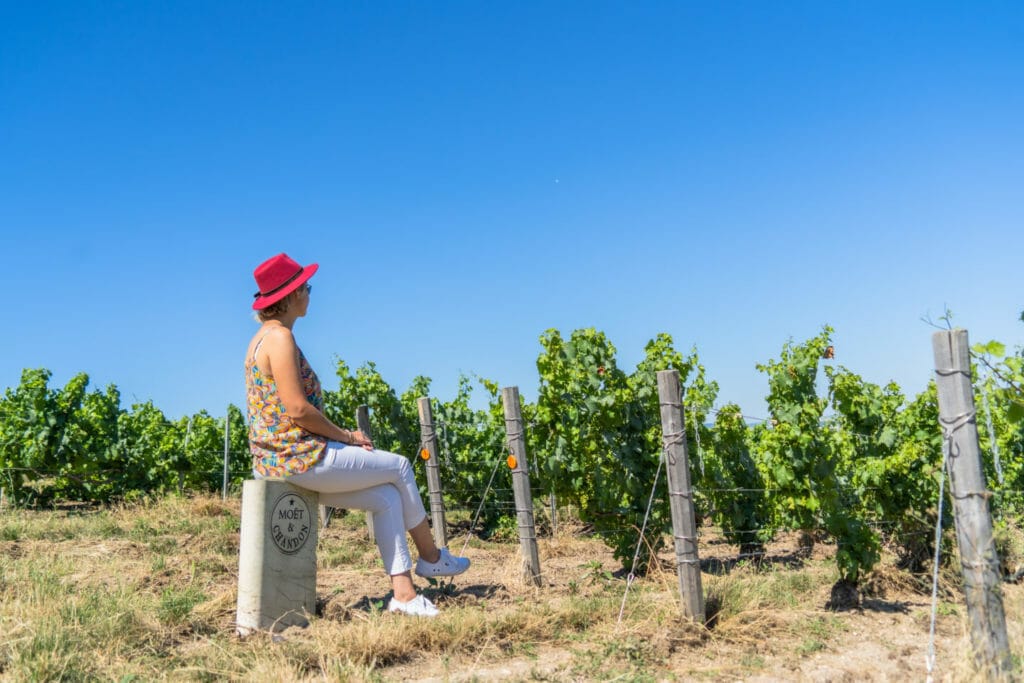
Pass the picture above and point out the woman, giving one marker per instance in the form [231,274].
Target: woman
[289,436]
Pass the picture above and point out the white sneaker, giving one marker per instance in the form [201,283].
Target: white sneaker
[417,607]
[446,565]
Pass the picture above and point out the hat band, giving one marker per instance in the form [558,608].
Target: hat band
[281,286]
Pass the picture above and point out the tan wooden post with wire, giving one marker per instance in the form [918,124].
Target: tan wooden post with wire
[515,433]
[680,495]
[363,424]
[227,455]
[429,438]
[968,489]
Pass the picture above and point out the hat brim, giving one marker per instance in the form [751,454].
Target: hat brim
[264,301]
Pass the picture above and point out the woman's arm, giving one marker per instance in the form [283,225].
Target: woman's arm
[282,356]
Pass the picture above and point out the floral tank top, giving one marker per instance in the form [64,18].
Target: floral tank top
[280,447]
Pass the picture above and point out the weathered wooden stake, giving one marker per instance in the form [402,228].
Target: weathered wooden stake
[429,438]
[521,484]
[184,450]
[554,512]
[363,425]
[684,521]
[363,420]
[227,445]
[970,496]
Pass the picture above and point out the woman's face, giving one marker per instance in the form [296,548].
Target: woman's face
[302,300]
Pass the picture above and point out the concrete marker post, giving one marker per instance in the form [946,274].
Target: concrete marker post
[277,556]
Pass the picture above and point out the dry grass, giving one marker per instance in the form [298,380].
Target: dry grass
[147,592]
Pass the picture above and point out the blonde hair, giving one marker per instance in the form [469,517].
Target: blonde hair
[277,308]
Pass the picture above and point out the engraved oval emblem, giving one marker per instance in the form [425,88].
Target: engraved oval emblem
[290,523]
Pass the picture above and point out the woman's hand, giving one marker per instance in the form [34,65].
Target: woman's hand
[360,439]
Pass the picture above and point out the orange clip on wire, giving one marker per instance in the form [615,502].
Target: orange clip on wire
[425,454]
[512,462]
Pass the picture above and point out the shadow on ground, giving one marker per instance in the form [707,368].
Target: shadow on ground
[441,594]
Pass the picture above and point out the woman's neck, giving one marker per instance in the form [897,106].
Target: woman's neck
[284,321]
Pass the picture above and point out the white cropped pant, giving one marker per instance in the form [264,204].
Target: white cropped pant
[379,482]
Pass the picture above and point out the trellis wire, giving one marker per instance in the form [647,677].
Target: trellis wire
[483,499]
[992,435]
[696,433]
[471,504]
[444,443]
[643,528]
[947,439]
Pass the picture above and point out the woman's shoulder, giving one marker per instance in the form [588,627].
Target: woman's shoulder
[278,332]
[267,338]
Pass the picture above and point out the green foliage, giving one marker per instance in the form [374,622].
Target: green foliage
[594,440]
[471,441]
[736,485]
[889,460]
[796,449]
[394,426]
[589,436]
[75,444]
[803,457]
[472,445]
[999,401]
[598,435]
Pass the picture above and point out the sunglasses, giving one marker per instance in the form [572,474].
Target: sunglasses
[309,288]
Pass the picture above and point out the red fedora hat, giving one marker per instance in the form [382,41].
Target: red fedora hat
[277,277]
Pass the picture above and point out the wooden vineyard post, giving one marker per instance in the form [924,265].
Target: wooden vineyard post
[521,484]
[227,444]
[552,503]
[429,438]
[680,493]
[970,496]
[363,424]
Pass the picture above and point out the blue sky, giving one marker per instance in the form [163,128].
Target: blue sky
[471,174]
